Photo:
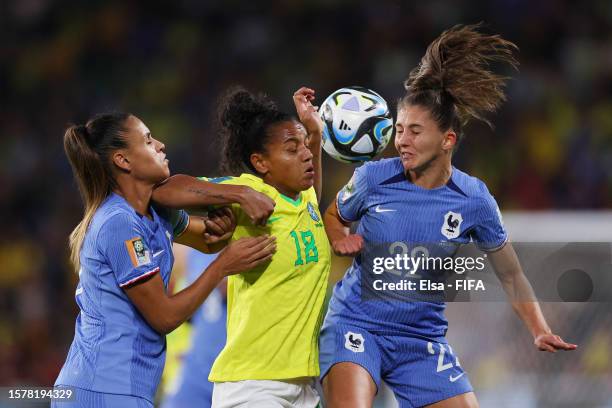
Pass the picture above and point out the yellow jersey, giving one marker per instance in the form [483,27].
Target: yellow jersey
[274,312]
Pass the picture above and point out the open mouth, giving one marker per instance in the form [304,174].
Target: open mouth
[310,171]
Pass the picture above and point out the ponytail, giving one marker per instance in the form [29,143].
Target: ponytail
[88,149]
[244,119]
[454,78]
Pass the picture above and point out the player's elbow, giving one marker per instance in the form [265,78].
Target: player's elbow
[332,218]
[164,328]
[163,324]
[159,326]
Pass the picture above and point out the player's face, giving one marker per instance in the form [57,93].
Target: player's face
[418,139]
[288,159]
[146,155]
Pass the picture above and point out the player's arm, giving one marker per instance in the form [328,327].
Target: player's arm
[349,206]
[302,98]
[166,312]
[209,234]
[338,232]
[521,296]
[182,191]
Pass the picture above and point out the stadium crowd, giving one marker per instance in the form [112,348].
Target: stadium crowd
[551,147]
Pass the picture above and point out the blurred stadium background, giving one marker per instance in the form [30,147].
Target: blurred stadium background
[551,149]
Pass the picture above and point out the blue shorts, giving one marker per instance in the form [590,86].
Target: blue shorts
[92,399]
[420,372]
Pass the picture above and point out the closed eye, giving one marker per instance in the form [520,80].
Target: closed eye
[291,146]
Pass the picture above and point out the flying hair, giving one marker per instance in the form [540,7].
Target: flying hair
[454,79]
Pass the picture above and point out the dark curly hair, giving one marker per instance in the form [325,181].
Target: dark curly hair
[454,78]
[244,119]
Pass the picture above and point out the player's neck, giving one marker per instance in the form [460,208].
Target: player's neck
[136,193]
[433,175]
[287,193]
[282,189]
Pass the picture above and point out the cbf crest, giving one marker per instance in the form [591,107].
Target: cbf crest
[451,227]
[313,212]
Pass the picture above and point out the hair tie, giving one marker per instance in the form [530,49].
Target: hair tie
[82,130]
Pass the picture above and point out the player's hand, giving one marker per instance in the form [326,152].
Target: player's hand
[257,206]
[551,342]
[220,225]
[245,254]
[350,245]
[302,98]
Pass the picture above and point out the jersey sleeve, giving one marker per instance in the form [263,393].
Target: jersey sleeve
[126,249]
[220,180]
[178,219]
[489,233]
[351,200]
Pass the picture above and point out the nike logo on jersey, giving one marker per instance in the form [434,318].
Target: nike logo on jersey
[158,253]
[378,209]
[453,379]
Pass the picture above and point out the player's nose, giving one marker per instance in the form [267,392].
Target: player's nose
[403,139]
[307,155]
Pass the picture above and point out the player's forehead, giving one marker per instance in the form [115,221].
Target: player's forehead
[136,127]
[409,115]
[287,131]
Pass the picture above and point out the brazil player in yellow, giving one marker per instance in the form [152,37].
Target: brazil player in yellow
[275,311]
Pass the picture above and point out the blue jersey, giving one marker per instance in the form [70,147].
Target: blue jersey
[114,349]
[391,209]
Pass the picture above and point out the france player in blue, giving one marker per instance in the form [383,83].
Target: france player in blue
[419,197]
[123,251]
[208,334]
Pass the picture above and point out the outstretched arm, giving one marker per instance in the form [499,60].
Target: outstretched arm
[182,191]
[302,98]
[165,313]
[522,298]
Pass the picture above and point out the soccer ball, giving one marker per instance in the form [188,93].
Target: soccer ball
[357,124]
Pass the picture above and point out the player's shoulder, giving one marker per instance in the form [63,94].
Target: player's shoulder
[114,212]
[378,171]
[245,179]
[470,186]
[219,180]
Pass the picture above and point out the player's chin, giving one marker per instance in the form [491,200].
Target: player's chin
[307,182]
[166,171]
[162,173]
[409,163]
